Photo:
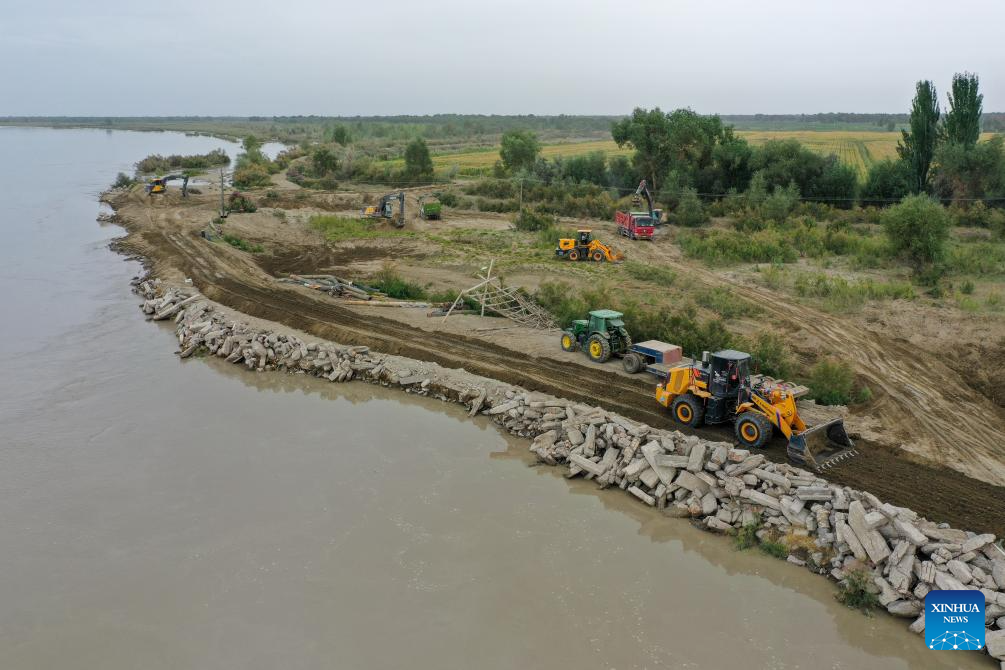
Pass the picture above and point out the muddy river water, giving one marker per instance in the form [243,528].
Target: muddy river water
[165,514]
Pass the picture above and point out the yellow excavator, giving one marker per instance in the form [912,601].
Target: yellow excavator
[719,390]
[585,247]
[159,184]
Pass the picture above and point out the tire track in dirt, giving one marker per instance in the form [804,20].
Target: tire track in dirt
[235,281]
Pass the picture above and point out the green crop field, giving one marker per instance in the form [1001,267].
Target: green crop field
[858,148]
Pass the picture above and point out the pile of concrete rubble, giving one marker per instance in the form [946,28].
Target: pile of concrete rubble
[831,529]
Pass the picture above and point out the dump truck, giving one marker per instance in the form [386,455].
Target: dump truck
[634,225]
[430,208]
[585,247]
[601,336]
[721,390]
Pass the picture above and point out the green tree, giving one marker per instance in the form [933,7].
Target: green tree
[418,164]
[324,160]
[339,134]
[963,119]
[689,210]
[888,180]
[917,147]
[648,132]
[964,172]
[519,150]
[918,229]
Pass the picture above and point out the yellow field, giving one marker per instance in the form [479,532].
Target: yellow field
[858,148]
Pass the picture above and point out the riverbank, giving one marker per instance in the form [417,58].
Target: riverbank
[843,533]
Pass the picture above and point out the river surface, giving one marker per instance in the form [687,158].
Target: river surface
[164,514]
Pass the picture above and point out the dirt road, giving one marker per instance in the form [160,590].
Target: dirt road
[167,234]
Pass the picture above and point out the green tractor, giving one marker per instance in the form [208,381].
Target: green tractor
[601,337]
[430,208]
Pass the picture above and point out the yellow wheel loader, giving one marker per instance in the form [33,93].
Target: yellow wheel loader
[584,247]
[719,390]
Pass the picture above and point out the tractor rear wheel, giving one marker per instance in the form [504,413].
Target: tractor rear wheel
[632,363]
[574,255]
[598,349]
[569,342]
[688,411]
[752,430]
[598,255]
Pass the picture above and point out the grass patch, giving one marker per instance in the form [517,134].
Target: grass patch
[856,592]
[243,245]
[839,294]
[774,548]
[832,382]
[650,273]
[978,258]
[718,247]
[341,228]
[725,303]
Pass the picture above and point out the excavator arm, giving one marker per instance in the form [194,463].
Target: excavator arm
[643,191]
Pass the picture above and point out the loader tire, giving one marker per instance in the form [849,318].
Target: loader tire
[573,255]
[632,363]
[598,349]
[598,256]
[752,430]
[569,342]
[688,411]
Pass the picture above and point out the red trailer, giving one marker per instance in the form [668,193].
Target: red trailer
[634,225]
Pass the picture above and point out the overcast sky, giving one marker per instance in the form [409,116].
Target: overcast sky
[220,57]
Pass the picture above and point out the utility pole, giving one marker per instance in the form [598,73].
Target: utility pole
[223,208]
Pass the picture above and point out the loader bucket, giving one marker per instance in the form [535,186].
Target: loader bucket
[822,446]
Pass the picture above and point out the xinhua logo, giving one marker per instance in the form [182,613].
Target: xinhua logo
[954,620]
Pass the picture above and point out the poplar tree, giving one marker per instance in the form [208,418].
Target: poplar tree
[917,147]
[963,119]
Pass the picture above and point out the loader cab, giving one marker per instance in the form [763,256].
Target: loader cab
[728,377]
[584,237]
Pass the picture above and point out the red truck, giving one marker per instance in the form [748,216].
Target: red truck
[635,225]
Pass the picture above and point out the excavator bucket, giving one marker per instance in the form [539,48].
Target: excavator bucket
[822,446]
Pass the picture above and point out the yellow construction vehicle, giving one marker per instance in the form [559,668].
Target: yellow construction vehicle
[585,247]
[719,390]
[159,184]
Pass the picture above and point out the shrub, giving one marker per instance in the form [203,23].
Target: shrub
[243,245]
[122,180]
[746,537]
[241,203]
[832,382]
[447,198]
[967,288]
[857,591]
[780,203]
[918,229]
[689,210]
[389,282]
[772,354]
[157,163]
[533,221]
[251,175]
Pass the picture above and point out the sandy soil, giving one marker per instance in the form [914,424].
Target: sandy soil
[914,408]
